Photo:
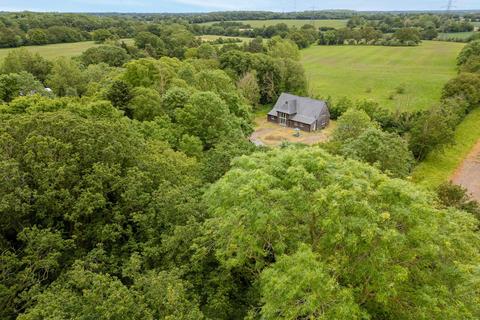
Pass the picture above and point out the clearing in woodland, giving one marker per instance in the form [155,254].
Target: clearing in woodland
[52,51]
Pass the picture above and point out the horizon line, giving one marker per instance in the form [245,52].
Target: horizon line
[252,11]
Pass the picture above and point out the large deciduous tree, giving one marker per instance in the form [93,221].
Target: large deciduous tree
[375,246]
[387,150]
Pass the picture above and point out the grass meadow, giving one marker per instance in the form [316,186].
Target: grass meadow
[440,165]
[52,51]
[292,23]
[376,72]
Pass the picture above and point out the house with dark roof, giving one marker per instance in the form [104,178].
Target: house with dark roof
[300,112]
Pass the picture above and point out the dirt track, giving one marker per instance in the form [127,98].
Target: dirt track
[468,174]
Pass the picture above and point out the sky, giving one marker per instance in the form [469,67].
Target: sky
[222,5]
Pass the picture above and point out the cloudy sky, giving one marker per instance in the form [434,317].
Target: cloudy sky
[218,5]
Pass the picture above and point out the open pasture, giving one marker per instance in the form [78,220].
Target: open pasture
[407,78]
[52,51]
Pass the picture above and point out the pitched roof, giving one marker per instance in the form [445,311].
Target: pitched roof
[305,110]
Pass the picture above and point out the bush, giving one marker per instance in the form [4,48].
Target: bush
[337,108]
[400,89]
[466,86]
[455,196]
[112,55]
[471,49]
[351,125]
[386,150]
[432,130]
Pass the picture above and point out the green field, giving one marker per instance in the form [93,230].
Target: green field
[374,72]
[292,23]
[439,166]
[455,35]
[53,51]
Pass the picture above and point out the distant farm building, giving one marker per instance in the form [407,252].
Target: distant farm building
[300,112]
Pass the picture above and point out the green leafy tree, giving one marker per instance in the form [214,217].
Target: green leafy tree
[19,84]
[255,45]
[455,196]
[218,160]
[153,44]
[66,78]
[120,95]
[472,64]
[472,49]
[112,55]
[175,98]
[300,39]
[300,287]
[381,239]
[21,59]
[387,150]
[429,33]
[432,130]
[207,117]
[408,35]
[283,48]
[149,73]
[206,51]
[94,178]
[145,104]
[43,255]
[82,293]
[293,76]
[248,85]
[466,86]
[37,36]
[352,124]
[101,35]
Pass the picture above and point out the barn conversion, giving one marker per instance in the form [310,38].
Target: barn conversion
[300,112]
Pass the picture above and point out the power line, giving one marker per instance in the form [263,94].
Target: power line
[449,6]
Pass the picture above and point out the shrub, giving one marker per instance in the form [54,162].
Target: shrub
[455,196]
[386,150]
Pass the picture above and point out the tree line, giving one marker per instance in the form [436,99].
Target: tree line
[387,29]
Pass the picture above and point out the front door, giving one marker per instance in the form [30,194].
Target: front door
[283,119]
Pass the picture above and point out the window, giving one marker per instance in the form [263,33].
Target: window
[283,119]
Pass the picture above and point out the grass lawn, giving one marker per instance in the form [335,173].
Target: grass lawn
[292,23]
[52,51]
[374,72]
[439,166]
[455,35]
